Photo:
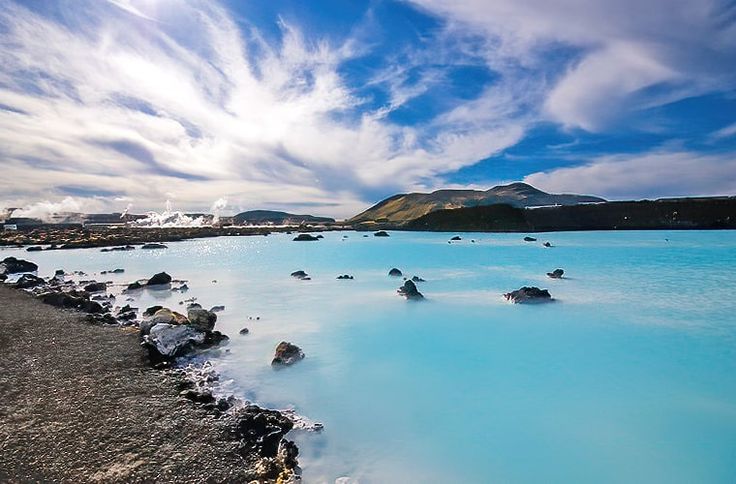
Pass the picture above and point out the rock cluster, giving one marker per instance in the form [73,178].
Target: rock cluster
[395,272]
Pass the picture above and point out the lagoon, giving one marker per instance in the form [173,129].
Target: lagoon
[629,376]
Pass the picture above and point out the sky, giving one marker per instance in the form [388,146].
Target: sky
[328,106]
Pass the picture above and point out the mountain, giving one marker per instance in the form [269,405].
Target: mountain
[668,213]
[402,208]
[277,218]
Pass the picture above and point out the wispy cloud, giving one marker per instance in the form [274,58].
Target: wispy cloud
[615,57]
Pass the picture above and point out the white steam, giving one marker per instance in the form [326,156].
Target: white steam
[51,211]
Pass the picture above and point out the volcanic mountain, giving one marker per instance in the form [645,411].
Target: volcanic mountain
[402,208]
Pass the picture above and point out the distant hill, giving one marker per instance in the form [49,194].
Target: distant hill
[277,218]
[672,213]
[402,208]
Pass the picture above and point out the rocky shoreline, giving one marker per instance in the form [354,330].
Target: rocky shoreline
[57,237]
[78,351]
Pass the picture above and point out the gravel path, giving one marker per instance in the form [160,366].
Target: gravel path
[78,404]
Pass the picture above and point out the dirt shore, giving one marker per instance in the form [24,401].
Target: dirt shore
[78,404]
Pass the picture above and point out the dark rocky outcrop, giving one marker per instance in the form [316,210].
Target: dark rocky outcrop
[673,213]
[409,291]
[547,244]
[11,265]
[528,295]
[456,238]
[395,272]
[345,277]
[417,279]
[34,248]
[287,354]
[217,309]
[381,233]
[305,238]
[529,239]
[556,274]
[244,331]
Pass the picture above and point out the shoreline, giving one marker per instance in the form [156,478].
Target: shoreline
[81,402]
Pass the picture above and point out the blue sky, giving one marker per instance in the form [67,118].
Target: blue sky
[329,106]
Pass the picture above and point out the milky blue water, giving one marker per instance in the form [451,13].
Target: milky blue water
[630,376]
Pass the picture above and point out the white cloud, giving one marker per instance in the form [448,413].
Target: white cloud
[131,107]
[656,174]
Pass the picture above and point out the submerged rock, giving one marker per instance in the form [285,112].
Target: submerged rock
[456,238]
[287,354]
[528,295]
[556,274]
[547,244]
[118,249]
[113,271]
[244,331]
[154,245]
[395,272]
[305,238]
[529,239]
[34,248]
[381,233]
[300,275]
[202,318]
[417,279]
[217,309]
[409,291]
[11,265]
[346,276]
[159,279]
[96,287]
[134,286]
